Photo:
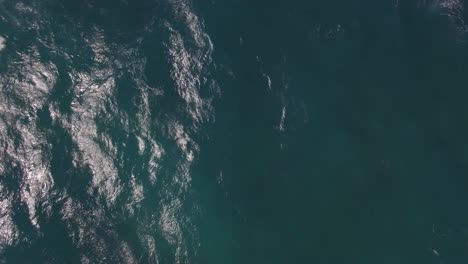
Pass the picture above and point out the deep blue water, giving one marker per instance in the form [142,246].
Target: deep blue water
[178,131]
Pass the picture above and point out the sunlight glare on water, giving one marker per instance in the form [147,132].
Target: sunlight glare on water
[180,131]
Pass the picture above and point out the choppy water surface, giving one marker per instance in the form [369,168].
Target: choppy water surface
[179,131]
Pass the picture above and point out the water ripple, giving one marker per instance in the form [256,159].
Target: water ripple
[69,87]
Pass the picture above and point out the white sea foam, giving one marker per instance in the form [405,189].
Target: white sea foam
[2,43]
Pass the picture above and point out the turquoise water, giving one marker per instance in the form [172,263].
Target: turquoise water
[179,131]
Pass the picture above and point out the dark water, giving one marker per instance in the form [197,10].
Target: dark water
[178,131]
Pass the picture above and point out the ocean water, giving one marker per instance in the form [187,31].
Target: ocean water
[238,131]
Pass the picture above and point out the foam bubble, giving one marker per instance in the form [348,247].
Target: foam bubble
[2,43]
